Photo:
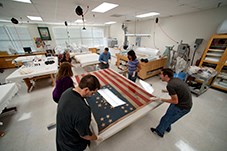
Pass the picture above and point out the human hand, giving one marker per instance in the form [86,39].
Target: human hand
[164,91]
[104,62]
[155,98]
[99,139]
[134,74]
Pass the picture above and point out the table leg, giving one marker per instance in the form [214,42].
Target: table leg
[28,83]
[53,79]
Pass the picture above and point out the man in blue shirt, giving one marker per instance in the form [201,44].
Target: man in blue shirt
[104,59]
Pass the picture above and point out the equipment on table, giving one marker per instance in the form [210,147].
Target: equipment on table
[202,76]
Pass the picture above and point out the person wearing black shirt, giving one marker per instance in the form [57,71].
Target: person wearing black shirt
[180,102]
[74,116]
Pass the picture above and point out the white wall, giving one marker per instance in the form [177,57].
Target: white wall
[186,27]
[117,32]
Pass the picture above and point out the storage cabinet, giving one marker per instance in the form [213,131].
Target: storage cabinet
[215,56]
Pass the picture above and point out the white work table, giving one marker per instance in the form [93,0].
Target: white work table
[38,69]
[7,91]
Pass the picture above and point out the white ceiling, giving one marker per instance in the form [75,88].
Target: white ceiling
[59,11]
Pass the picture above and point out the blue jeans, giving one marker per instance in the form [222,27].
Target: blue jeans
[132,78]
[104,66]
[173,114]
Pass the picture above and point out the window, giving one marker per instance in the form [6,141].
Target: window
[15,38]
[92,36]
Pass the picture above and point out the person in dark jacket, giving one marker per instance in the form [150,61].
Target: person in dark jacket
[63,80]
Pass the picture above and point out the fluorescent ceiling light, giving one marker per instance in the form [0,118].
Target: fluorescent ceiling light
[110,22]
[35,18]
[3,20]
[138,35]
[148,15]
[104,7]
[79,21]
[23,1]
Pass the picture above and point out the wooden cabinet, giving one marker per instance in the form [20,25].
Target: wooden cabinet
[148,69]
[93,50]
[215,56]
[6,60]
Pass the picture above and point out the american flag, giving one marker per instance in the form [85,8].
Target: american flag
[134,96]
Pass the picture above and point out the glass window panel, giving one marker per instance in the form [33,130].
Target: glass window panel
[76,41]
[3,34]
[98,42]
[87,42]
[74,32]
[5,45]
[86,33]
[60,32]
[98,32]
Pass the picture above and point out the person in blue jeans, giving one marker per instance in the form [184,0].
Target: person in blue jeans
[180,102]
[133,66]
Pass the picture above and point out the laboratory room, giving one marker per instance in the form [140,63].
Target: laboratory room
[114,75]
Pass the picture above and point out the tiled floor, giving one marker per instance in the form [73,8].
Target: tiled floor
[204,128]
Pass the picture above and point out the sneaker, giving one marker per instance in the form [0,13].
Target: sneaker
[2,134]
[156,132]
[168,129]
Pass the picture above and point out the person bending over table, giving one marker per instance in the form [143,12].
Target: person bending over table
[180,102]
[74,116]
[104,59]
[63,80]
[66,57]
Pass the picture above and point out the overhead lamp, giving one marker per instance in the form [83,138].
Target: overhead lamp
[23,1]
[110,22]
[104,7]
[14,21]
[35,18]
[148,15]
[79,12]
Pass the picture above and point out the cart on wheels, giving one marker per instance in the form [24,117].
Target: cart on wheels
[201,79]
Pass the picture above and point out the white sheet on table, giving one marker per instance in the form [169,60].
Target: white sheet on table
[33,71]
[111,98]
[147,51]
[87,59]
[7,93]
[146,86]
[28,58]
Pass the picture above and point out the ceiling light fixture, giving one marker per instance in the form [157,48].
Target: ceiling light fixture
[79,12]
[23,1]
[35,18]
[14,20]
[79,21]
[110,22]
[104,7]
[148,15]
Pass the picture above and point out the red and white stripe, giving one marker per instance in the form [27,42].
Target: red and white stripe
[133,93]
